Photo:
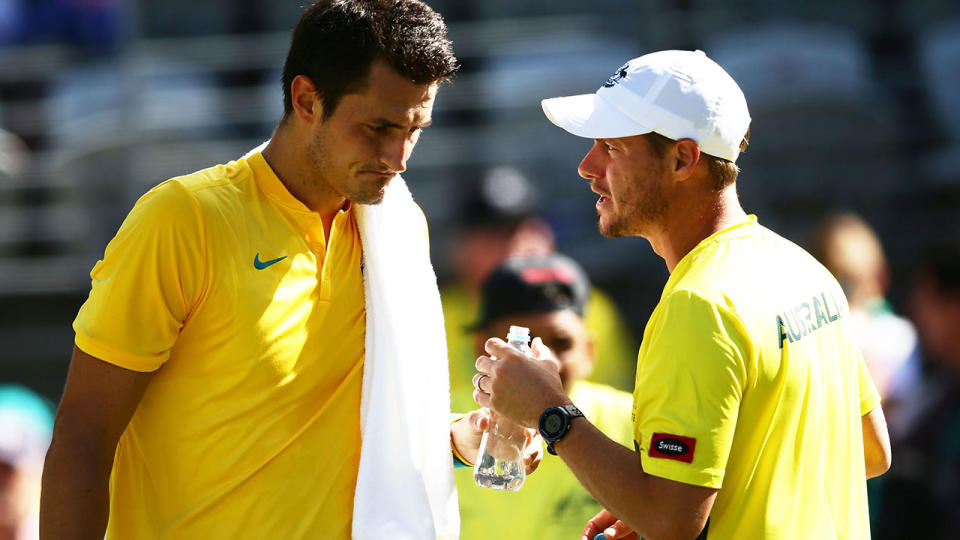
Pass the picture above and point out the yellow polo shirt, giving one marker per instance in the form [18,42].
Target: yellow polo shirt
[749,381]
[221,282]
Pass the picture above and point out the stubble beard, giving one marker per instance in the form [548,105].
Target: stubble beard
[358,192]
[647,210]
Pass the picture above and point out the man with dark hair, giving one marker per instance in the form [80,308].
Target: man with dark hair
[261,354]
[752,407]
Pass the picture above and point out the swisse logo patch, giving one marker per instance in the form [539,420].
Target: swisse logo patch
[672,447]
[664,445]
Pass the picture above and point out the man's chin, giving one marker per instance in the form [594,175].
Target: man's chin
[370,199]
[610,230]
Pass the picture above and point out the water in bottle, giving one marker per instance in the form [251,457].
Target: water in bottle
[500,465]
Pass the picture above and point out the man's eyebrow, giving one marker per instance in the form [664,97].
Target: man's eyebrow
[393,125]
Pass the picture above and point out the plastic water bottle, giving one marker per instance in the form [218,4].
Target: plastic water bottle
[500,465]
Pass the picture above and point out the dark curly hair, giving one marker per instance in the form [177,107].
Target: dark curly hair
[336,41]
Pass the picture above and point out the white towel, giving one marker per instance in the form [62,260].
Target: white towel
[405,488]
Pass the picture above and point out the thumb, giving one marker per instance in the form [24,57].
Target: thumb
[542,352]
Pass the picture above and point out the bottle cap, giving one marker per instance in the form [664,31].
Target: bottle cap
[518,332]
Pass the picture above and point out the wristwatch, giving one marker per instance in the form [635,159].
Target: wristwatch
[555,423]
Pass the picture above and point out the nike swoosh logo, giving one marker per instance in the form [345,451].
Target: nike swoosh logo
[260,265]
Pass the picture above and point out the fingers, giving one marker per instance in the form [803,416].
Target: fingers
[618,530]
[533,451]
[484,364]
[531,462]
[497,347]
[597,524]
[478,381]
[482,399]
[477,420]
[482,395]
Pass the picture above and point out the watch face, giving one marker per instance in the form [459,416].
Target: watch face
[553,423]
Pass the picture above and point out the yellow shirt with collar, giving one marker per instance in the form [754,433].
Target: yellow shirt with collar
[221,282]
[749,381]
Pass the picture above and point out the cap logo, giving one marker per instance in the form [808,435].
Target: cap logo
[663,445]
[620,74]
[546,275]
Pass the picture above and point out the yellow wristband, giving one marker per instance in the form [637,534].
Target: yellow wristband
[456,455]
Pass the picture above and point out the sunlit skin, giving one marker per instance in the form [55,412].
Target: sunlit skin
[562,331]
[354,153]
[630,180]
[669,199]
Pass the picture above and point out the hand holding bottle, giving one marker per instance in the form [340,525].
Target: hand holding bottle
[500,462]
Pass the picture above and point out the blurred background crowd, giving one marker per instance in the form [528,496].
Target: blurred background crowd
[855,139]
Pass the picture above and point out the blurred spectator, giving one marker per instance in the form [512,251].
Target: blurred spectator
[497,221]
[14,154]
[26,423]
[92,25]
[851,250]
[547,294]
[921,495]
[11,20]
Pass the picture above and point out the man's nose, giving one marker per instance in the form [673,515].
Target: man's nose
[394,153]
[589,167]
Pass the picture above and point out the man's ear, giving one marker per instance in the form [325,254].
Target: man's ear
[686,156]
[591,355]
[307,104]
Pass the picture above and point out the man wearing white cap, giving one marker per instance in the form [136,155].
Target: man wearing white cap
[753,413]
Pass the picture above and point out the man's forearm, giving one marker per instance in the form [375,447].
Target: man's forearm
[614,475]
[74,501]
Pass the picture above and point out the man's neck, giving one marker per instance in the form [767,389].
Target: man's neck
[686,227]
[287,156]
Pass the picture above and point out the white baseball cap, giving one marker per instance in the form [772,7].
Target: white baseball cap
[678,94]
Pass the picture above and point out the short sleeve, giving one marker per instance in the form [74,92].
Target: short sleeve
[869,396]
[147,283]
[690,379]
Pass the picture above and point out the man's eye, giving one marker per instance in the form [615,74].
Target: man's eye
[608,147]
[377,129]
[561,344]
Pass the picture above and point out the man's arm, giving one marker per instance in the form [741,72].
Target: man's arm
[654,507]
[876,443]
[98,401]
